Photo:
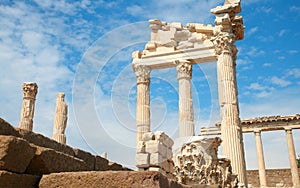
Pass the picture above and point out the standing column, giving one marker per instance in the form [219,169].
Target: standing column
[186,111]
[60,119]
[232,144]
[292,157]
[30,90]
[260,159]
[142,73]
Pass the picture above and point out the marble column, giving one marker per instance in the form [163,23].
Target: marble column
[260,159]
[292,157]
[231,133]
[30,90]
[60,119]
[186,111]
[143,100]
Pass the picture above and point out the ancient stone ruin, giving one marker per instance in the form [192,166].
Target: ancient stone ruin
[28,159]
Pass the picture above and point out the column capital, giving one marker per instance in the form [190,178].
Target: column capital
[30,90]
[223,43]
[142,73]
[184,69]
[288,129]
[257,131]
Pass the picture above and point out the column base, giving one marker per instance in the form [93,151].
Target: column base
[60,138]
[26,124]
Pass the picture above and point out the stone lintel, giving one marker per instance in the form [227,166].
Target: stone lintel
[167,60]
[271,123]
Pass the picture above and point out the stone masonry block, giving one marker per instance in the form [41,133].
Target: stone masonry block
[87,157]
[13,180]
[148,136]
[47,161]
[101,164]
[7,129]
[132,179]
[40,140]
[168,142]
[115,166]
[157,169]
[142,160]
[141,147]
[169,153]
[15,154]
[153,146]
[156,160]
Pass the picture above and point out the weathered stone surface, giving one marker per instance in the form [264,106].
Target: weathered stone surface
[12,180]
[101,164]
[7,129]
[87,157]
[47,161]
[40,140]
[275,177]
[15,154]
[107,179]
[114,166]
[142,160]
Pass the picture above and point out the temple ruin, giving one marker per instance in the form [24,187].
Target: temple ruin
[173,45]
[28,159]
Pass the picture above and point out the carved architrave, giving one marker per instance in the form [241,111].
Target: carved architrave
[30,90]
[184,69]
[142,74]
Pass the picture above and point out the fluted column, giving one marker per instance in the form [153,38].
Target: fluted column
[143,100]
[260,159]
[292,157]
[186,111]
[232,144]
[60,119]
[30,90]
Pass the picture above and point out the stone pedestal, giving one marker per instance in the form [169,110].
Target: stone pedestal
[60,119]
[186,112]
[30,90]
[143,100]
[292,157]
[260,159]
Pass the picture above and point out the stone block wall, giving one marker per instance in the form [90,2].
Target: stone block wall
[25,157]
[275,178]
[154,153]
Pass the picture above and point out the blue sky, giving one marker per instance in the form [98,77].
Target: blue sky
[83,48]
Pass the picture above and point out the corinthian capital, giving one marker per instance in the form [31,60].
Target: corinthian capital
[30,90]
[184,69]
[223,42]
[142,73]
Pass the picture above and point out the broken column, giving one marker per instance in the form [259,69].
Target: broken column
[30,90]
[186,111]
[60,119]
[143,100]
[154,153]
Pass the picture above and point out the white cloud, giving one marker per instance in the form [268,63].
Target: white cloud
[282,32]
[267,64]
[293,72]
[279,81]
[252,30]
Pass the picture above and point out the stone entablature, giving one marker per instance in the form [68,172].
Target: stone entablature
[265,123]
